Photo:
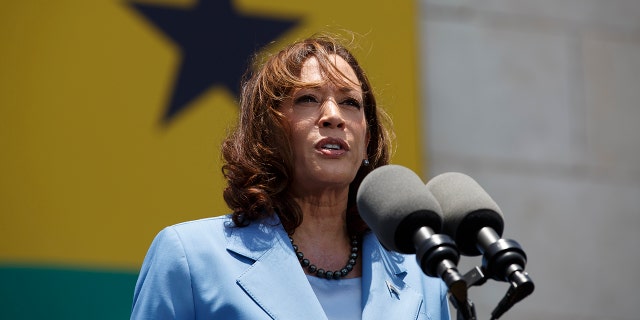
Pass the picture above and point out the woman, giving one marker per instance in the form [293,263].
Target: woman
[294,246]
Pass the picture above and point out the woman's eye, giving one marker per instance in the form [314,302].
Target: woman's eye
[306,99]
[352,102]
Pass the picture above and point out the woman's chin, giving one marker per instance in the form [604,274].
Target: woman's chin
[335,176]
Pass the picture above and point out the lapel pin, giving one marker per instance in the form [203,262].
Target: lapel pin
[392,290]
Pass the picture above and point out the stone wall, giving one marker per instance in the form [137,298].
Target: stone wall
[539,101]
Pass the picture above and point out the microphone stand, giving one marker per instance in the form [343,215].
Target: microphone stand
[466,309]
[503,260]
[438,255]
[521,286]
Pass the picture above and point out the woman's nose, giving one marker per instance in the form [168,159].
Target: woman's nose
[331,117]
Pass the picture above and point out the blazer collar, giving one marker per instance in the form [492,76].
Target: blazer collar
[275,281]
[385,295]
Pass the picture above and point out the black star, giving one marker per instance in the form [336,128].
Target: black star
[216,43]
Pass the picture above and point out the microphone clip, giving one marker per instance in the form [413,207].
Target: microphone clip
[503,260]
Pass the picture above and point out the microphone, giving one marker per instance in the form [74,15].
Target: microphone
[475,222]
[406,218]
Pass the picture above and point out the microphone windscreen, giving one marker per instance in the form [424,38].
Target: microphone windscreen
[394,202]
[466,208]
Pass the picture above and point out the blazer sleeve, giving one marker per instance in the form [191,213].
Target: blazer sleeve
[444,302]
[163,289]
[436,299]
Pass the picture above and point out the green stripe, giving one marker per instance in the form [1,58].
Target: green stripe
[56,293]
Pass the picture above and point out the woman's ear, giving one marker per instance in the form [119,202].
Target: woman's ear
[368,137]
[366,146]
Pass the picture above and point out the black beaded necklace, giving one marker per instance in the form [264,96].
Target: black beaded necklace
[321,273]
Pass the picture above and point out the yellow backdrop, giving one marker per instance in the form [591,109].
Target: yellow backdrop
[89,173]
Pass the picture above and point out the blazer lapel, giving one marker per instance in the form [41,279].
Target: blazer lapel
[385,295]
[275,280]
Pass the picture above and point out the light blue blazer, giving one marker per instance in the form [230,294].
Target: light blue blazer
[205,269]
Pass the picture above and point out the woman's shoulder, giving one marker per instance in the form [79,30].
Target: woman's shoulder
[222,228]
[211,229]
[203,223]
[209,241]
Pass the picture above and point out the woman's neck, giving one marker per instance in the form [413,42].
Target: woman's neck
[323,236]
[324,215]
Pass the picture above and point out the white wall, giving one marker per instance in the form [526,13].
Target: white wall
[539,101]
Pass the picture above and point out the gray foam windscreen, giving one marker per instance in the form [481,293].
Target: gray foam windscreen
[466,208]
[394,202]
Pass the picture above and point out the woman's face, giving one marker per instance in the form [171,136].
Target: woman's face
[328,129]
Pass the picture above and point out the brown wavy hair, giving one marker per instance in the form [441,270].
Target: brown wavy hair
[257,154]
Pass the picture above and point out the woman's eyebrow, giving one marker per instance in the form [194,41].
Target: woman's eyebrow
[346,89]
